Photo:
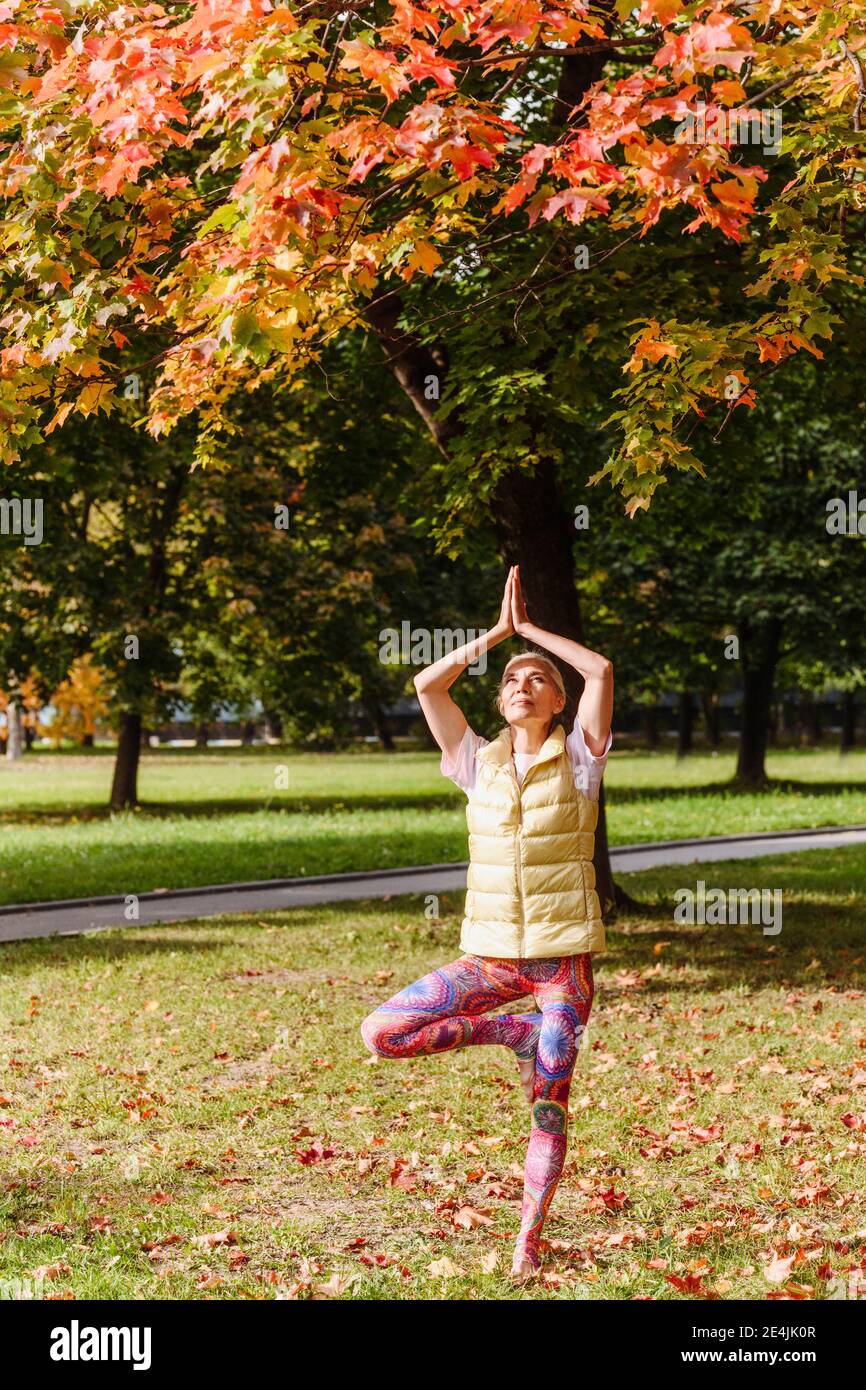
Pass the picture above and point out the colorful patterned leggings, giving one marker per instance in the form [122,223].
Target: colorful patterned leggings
[440,1012]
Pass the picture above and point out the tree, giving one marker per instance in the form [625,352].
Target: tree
[81,702]
[730,576]
[114,574]
[441,219]
[363,146]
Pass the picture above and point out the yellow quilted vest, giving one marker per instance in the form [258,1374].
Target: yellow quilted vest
[531,881]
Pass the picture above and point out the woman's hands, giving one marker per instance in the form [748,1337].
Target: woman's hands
[519,616]
[513,617]
[505,623]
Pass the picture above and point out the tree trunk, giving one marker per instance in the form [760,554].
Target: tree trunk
[773,729]
[815,721]
[611,894]
[802,719]
[760,657]
[377,714]
[13,730]
[788,719]
[781,725]
[201,734]
[686,723]
[849,721]
[712,712]
[651,725]
[124,787]
[248,733]
[534,532]
[273,725]
[87,741]
[132,737]
[29,736]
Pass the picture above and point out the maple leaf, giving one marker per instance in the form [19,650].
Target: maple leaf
[424,257]
[691,1284]
[662,10]
[96,396]
[444,1269]
[650,348]
[777,1271]
[381,67]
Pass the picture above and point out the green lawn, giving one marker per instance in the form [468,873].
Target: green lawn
[189,1111]
[217,817]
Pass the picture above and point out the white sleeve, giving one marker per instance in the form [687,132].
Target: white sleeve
[588,768]
[462,771]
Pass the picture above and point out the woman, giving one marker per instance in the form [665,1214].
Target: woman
[532,913]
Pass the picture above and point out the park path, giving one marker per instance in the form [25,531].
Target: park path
[68,918]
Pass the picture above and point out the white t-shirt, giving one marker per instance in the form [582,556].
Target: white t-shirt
[587,768]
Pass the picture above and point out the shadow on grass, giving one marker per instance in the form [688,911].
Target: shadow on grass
[822,945]
[774,787]
[106,945]
[314,804]
[232,806]
[825,928]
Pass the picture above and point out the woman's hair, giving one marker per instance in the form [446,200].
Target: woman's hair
[553,671]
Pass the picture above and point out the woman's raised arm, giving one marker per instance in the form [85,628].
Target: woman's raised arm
[446,719]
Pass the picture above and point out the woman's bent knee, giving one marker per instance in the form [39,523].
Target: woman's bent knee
[371,1032]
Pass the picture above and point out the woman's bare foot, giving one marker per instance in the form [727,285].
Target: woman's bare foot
[525,1263]
[526,1062]
[526,1067]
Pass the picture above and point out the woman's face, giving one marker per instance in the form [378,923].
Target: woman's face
[529,695]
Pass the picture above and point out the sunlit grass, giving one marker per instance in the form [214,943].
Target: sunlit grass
[218,817]
[190,1111]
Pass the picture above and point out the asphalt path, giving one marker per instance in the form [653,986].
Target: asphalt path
[20,922]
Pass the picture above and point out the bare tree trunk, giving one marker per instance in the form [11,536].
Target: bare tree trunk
[802,719]
[124,787]
[380,723]
[788,720]
[848,739]
[651,725]
[760,657]
[13,730]
[273,725]
[712,718]
[685,726]
[773,725]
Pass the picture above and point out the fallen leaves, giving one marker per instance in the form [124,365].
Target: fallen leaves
[445,1269]
[316,1153]
[52,1271]
[214,1238]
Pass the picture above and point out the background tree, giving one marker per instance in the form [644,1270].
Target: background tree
[80,702]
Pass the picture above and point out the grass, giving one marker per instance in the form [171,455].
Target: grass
[218,816]
[189,1111]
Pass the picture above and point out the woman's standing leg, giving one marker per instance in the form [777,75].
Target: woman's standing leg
[564,989]
[440,1011]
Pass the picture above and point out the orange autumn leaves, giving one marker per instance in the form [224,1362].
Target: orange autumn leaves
[243,175]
